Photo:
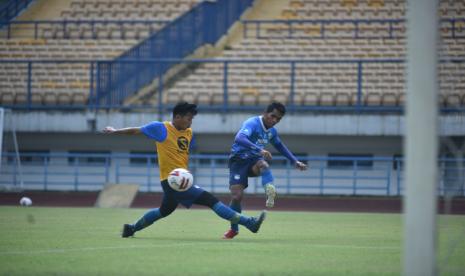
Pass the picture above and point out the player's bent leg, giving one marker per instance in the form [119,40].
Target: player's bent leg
[166,208]
[207,199]
[237,192]
[262,168]
[252,223]
[147,219]
[271,194]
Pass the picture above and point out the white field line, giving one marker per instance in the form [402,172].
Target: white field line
[84,249]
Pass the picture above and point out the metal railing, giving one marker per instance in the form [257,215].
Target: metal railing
[342,28]
[99,99]
[79,172]
[63,29]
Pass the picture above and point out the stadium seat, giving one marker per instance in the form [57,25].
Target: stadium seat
[372,99]
[78,99]
[217,98]
[298,98]
[326,99]
[50,98]
[281,97]
[389,99]
[234,98]
[7,98]
[204,98]
[264,98]
[453,100]
[189,96]
[20,98]
[63,99]
[401,99]
[172,97]
[342,99]
[310,99]
[249,98]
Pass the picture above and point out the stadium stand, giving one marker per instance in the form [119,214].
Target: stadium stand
[324,52]
[297,30]
[374,30]
[93,30]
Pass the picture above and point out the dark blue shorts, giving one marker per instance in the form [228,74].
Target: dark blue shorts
[241,169]
[186,198]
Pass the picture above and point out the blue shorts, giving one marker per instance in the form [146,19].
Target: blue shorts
[241,169]
[186,198]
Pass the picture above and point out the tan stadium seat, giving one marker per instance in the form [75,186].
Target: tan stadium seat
[63,99]
[310,98]
[326,99]
[7,98]
[50,98]
[20,98]
[189,96]
[281,97]
[373,99]
[342,99]
[204,98]
[234,98]
[78,99]
[453,100]
[172,97]
[389,99]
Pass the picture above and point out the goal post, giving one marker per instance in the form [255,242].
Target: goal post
[2,116]
[421,141]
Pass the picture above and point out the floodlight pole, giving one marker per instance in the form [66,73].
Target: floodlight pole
[421,143]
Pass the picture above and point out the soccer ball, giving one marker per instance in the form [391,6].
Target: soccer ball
[180,179]
[25,201]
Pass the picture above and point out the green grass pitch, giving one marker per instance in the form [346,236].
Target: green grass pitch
[86,241]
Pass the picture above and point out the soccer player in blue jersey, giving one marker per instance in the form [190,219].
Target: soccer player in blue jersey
[249,158]
[173,142]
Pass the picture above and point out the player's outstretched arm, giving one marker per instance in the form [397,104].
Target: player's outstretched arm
[285,151]
[127,130]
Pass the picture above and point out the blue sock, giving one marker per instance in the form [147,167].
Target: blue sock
[147,219]
[224,211]
[238,208]
[229,214]
[267,177]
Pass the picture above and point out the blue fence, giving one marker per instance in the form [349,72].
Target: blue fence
[10,9]
[327,175]
[100,99]
[343,28]
[203,24]
[78,29]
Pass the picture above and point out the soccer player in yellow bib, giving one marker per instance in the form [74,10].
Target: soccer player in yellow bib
[173,140]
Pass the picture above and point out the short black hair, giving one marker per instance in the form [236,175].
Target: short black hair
[183,108]
[276,105]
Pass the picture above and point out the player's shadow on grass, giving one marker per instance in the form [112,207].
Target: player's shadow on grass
[209,240]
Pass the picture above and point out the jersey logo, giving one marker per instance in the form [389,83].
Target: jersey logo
[183,143]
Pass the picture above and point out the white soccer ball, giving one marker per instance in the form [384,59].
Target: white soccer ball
[180,179]
[25,201]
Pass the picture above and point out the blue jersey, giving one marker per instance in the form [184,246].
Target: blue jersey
[258,135]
